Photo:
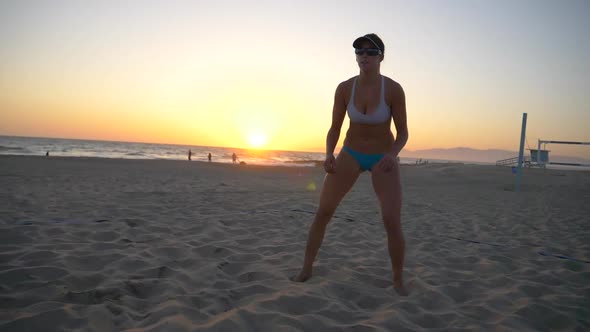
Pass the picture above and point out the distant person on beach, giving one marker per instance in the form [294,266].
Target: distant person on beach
[209,157]
[371,102]
[190,154]
[234,158]
[47,154]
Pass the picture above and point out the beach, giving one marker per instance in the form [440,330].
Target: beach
[97,244]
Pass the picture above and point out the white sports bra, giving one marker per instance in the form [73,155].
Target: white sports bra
[380,115]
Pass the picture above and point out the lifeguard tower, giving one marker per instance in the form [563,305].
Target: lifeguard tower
[539,157]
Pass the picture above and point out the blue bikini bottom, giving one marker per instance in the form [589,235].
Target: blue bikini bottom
[366,161]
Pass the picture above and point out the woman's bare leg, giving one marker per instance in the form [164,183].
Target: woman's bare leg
[387,186]
[335,187]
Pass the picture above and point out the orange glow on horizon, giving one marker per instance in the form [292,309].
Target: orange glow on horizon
[257,140]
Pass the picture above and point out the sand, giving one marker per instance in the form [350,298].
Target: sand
[90,244]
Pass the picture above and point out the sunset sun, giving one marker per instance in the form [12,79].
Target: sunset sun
[257,140]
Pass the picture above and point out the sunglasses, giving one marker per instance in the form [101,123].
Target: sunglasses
[367,51]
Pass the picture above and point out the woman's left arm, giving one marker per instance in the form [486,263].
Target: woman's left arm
[398,112]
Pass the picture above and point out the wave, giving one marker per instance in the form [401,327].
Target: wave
[12,148]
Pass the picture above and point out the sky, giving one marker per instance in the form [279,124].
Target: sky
[263,73]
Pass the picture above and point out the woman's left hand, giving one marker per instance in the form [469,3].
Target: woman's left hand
[388,162]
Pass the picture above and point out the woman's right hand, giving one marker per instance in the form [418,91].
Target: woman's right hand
[330,164]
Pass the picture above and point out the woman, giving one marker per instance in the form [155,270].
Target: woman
[371,101]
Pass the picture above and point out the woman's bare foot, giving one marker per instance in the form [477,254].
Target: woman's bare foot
[302,276]
[400,288]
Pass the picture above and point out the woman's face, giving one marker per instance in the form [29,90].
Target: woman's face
[368,59]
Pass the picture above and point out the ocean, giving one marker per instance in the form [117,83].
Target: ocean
[35,146]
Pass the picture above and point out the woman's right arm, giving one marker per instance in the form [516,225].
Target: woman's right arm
[338,114]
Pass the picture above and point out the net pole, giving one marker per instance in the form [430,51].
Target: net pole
[520,154]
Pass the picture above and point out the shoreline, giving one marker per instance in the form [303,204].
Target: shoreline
[294,165]
[31,146]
